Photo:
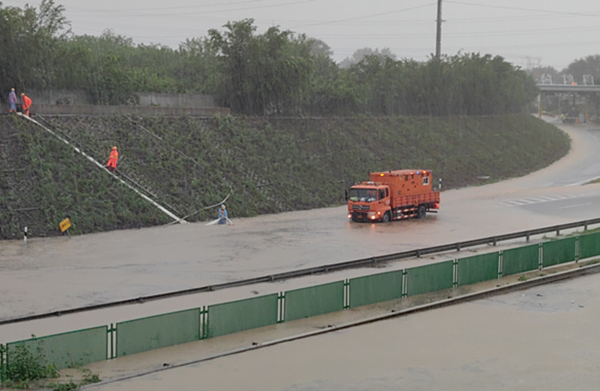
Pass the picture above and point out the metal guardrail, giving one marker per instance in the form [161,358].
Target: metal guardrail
[319,269]
[568,88]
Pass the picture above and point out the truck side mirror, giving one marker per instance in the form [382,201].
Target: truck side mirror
[346,194]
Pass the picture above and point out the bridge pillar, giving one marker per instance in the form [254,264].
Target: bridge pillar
[587,105]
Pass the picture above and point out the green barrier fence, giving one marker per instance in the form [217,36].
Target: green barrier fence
[140,335]
[478,268]
[559,251]
[375,288]
[521,259]
[235,316]
[429,278]
[65,350]
[314,300]
[589,245]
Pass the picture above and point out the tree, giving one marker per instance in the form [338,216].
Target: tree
[589,65]
[358,55]
[263,74]
[199,67]
[318,48]
[28,39]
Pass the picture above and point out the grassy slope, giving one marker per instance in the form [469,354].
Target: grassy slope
[270,165]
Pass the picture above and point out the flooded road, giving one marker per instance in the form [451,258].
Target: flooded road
[46,275]
[544,338]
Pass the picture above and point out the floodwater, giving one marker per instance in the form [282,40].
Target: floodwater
[45,275]
[544,338]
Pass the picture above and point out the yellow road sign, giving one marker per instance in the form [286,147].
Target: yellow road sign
[65,225]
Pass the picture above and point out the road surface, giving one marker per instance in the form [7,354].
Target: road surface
[45,275]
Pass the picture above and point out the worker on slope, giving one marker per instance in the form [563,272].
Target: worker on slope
[111,165]
[12,101]
[26,103]
[223,215]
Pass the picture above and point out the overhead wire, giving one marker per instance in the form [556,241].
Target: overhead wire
[121,13]
[536,10]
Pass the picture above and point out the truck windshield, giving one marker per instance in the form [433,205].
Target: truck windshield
[363,195]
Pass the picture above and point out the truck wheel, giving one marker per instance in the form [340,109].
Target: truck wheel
[386,217]
[421,212]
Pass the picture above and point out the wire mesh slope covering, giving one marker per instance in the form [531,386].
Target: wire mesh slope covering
[314,300]
[376,288]
[521,259]
[65,350]
[140,335]
[589,245]
[235,316]
[478,268]
[429,278]
[558,251]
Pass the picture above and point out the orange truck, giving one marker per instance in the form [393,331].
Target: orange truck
[393,195]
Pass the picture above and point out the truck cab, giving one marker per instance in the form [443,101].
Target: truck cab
[369,201]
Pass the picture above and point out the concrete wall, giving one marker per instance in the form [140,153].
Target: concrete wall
[112,110]
[76,102]
[58,97]
[175,100]
[147,99]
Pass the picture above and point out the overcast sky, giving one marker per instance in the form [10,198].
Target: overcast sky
[526,33]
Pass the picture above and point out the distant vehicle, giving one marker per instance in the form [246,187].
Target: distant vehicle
[393,195]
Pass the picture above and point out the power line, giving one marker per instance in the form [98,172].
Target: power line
[367,16]
[121,13]
[537,10]
[168,8]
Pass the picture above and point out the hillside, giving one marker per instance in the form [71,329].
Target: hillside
[268,165]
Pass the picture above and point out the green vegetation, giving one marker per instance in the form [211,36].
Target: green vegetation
[26,367]
[87,377]
[29,368]
[274,73]
[269,165]
[458,115]
[63,386]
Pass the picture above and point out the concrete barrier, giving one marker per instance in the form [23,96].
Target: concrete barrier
[115,110]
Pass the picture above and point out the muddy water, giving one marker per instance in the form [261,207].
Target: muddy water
[46,275]
[51,274]
[544,338]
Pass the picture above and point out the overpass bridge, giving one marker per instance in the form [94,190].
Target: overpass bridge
[565,88]
[586,90]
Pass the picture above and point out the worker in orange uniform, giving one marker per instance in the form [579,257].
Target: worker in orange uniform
[112,160]
[26,103]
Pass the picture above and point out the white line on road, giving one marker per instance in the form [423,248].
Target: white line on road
[575,206]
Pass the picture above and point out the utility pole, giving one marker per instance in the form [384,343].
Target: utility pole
[438,36]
